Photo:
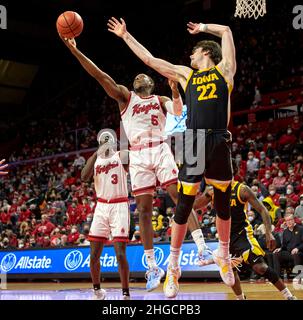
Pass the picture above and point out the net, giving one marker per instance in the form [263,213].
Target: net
[250,8]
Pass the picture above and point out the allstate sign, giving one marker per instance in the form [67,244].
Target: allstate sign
[8,262]
[77,260]
[73,260]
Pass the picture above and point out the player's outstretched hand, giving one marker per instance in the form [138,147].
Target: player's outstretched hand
[193,28]
[70,43]
[2,167]
[270,242]
[117,27]
[173,85]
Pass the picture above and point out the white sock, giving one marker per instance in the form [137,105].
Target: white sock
[286,293]
[150,258]
[174,257]
[199,239]
[224,249]
[241,297]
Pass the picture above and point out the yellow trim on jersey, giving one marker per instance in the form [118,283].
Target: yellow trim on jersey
[206,69]
[255,246]
[221,185]
[190,189]
[238,194]
[187,80]
[229,85]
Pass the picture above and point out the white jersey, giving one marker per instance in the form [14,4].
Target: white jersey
[143,120]
[110,178]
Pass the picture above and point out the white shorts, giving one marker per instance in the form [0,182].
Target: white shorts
[110,221]
[148,165]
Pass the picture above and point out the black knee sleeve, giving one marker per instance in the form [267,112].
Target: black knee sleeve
[222,203]
[184,207]
[271,275]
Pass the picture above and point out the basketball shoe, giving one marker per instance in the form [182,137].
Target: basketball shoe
[99,294]
[226,271]
[171,285]
[153,276]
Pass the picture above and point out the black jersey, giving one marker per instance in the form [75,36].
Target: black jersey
[238,208]
[206,96]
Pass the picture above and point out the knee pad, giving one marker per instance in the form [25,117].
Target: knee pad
[271,275]
[222,202]
[184,207]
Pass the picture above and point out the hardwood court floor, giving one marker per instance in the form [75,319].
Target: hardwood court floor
[188,291]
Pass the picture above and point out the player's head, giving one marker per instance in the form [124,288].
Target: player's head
[107,142]
[143,84]
[205,49]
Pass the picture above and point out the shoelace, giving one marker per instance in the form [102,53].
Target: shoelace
[149,273]
[173,273]
[236,262]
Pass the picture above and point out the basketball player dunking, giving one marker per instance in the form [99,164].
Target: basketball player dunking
[207,92]
[111,216]
[143,116]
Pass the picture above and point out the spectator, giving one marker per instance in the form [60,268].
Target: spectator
[287,139]
[252,164]
[280,181]
[292,198]
[73,236]
[291,252]
[3,167]
[299,209]
[267,179]
[273,194]
[157,220]
[83,241]
[272,209]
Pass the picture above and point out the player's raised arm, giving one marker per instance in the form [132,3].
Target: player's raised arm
[165,68]
[88,170]
[247,195]
[175,105]
[118,92]
[228,64]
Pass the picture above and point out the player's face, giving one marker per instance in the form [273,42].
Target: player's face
[195,57]
[142,81]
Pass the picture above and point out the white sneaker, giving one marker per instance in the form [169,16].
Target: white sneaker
[171,285]
[99,294]
[226,271]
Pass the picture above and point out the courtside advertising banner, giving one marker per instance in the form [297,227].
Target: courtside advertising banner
[76,259]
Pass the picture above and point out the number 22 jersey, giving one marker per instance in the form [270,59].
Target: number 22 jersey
[207,99]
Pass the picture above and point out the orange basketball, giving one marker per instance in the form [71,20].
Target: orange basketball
[69,24]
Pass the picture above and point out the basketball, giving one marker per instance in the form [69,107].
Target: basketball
[69,24]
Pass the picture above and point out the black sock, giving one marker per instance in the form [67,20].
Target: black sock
[125,292]
[97,286]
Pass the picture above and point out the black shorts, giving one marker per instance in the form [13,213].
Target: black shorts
[245,246]
[208,154]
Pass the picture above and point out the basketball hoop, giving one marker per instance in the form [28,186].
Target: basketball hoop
[250,8]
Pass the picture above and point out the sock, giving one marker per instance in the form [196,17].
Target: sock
[97,286]
[125,292]
[286,293]
[150,258]
[241,297]
[199,239]
[174,257]
[224,249]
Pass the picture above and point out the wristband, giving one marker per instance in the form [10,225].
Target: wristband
[202,27]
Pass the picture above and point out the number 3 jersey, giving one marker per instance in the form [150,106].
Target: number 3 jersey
[143,119]
[110,178]
[207,98]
